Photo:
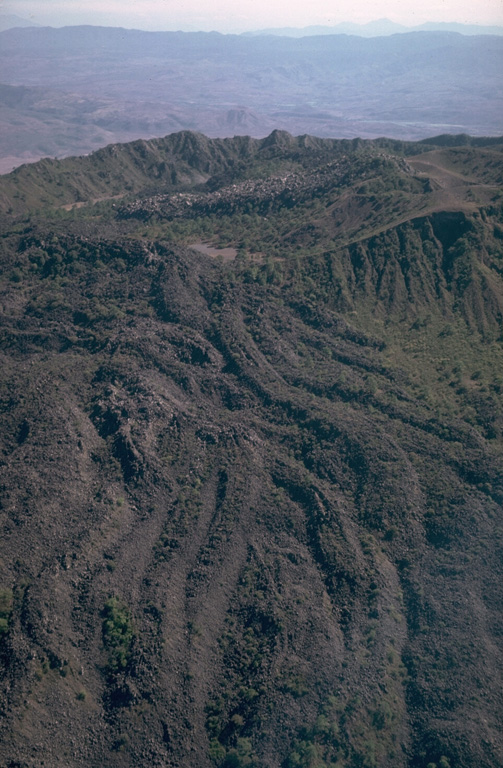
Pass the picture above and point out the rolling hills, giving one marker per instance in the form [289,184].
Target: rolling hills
[251,446]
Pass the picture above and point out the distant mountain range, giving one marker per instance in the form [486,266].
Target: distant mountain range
[10,21]
[379,28]
[72,90]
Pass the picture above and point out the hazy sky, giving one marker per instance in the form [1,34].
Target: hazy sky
[241,15]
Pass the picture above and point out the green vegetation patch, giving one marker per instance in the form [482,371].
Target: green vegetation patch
[6,601]
[118,634]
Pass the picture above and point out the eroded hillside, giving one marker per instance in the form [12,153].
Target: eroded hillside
[251,508]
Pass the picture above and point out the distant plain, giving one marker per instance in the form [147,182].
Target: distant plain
[70,91]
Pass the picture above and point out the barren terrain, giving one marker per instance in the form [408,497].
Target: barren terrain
[251,507]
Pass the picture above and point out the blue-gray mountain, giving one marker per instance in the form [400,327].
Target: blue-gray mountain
[74,89]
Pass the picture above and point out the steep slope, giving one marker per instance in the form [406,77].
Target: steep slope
[186,160]
[251,509]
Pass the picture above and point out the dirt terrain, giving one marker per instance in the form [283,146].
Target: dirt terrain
[251,504]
